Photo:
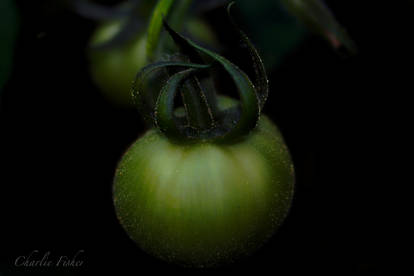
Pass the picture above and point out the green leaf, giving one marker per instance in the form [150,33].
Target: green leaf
[273,29]
[161,10]
[8,33]
[317,16]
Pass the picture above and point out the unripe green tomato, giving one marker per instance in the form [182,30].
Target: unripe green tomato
[204,204]
[114,70]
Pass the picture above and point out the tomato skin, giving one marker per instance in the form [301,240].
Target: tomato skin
[204,204]
[113,70]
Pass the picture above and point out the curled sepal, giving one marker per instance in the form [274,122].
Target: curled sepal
[248,96]
[260,77]
[145,99]
[165,119]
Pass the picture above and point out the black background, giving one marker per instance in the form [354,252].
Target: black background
[61,141]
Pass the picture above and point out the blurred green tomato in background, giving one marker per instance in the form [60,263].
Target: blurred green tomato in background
[114,68]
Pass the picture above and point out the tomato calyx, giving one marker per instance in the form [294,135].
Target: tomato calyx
[201,119]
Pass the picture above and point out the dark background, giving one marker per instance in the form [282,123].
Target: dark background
[61,141]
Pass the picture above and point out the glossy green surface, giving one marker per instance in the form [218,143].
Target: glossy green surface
[204,204]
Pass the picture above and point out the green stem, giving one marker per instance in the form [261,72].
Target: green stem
[175,10]
[154,28]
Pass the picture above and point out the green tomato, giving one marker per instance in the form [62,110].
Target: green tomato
[114,70]
[204,204]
